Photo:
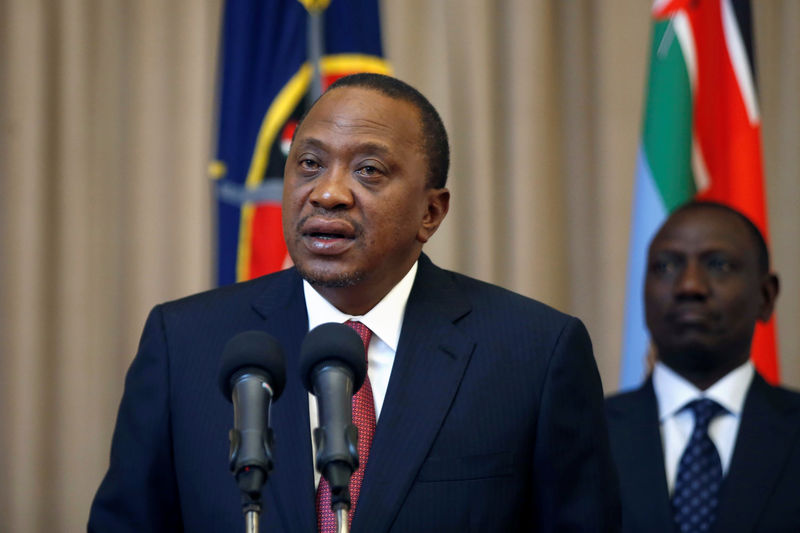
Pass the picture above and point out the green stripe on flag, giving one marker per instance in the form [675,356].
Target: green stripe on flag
[667,133]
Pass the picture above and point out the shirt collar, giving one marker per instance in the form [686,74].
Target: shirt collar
[385,319]
[673,391]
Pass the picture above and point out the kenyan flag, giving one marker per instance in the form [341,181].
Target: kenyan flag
[701,139]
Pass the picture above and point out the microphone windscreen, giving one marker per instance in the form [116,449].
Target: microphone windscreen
[256,350]
[333,342]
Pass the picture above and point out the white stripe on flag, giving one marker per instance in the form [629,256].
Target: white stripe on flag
[683,30]
[740,62]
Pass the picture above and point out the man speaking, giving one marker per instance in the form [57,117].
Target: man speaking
[486,406]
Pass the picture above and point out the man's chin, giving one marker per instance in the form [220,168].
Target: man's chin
[690,357]
[331,280]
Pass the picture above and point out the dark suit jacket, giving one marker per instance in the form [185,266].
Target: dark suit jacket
[761,491]
[492,421]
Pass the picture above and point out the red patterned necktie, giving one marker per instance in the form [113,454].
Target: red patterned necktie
[364,419]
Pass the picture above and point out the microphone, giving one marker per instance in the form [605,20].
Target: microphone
[252,374]
[333,367]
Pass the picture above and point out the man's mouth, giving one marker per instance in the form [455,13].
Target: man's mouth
[326,236]
[335,228]
[694,317]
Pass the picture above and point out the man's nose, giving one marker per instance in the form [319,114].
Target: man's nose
[332,189]
[693,281]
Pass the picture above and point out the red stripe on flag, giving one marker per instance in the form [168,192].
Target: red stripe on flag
[267,247]
[730,145]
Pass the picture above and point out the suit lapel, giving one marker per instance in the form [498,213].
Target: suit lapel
[767,431]
[639,453]
[291,484]
[431,358]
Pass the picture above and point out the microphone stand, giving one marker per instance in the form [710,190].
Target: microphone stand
[338,476]
[252,375]
[342,522]
[333,380]
[251,459]
[251,521]
[250,480]
[337,450]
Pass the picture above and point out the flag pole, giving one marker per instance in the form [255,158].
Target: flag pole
[315,39]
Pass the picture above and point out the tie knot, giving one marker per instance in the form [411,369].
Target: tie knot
[704,409]
[363,331]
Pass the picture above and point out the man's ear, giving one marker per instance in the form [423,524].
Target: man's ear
[438,204]
[770,285]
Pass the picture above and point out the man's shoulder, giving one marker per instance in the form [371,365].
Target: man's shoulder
[635,410]
[483,295]
[621,402]
[236,294]
[782,397]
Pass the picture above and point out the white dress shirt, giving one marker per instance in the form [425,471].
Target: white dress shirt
[673,392]
[385,320]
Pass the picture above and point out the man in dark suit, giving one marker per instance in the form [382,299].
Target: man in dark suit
[706,444]
[489,404]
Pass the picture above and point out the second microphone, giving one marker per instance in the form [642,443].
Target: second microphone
[333,367]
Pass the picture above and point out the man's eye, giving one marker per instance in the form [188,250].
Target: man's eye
[309,164]
[368,171]
[664,266]
[719,264]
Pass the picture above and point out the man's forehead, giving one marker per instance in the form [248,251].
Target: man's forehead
[703,229]
[361,110]
[360,102]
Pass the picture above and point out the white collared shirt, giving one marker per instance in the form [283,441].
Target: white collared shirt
[385,320]
[673,392]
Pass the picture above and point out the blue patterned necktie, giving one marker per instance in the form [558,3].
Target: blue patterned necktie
[695,498]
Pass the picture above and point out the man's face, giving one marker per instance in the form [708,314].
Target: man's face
[356,207]
[704,292]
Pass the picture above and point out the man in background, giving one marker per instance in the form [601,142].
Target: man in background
[486,405]
[706,444]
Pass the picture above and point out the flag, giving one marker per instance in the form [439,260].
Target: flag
[701,139]
[269,52]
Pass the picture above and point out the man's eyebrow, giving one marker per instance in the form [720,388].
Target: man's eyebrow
[372,148]
[367,147]
[666,247]
[661,254]
[310,142]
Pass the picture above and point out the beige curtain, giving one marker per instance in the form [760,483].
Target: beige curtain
[106,125]
[104,209]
